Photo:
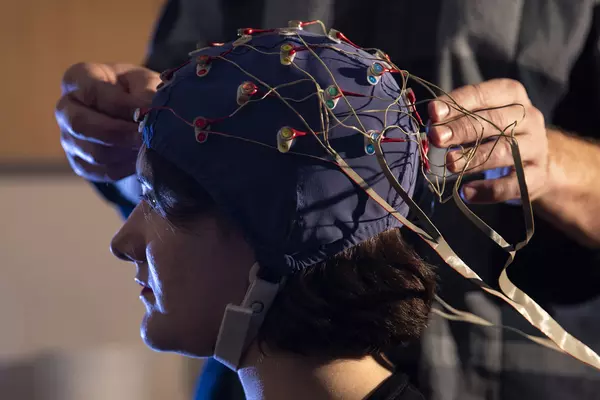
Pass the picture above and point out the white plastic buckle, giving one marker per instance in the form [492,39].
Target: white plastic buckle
[241,324]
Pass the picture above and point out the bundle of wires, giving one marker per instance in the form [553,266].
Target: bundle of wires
[313,144]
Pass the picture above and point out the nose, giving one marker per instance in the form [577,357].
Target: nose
[128,243]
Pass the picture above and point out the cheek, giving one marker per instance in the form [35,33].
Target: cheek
[174,275]
[215,274]
[194,278]
[198,276]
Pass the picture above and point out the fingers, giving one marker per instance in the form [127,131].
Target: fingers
[93,153]
[505,188]
[95,114]
[500,106]
[97,86]
[499,102]
[492,93]
[101,173]
[469,129]
[108,99]
[88,124]
[497,153]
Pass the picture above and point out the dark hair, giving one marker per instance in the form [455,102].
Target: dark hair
[367,299]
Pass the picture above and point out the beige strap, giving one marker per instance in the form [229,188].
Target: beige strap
[519,300]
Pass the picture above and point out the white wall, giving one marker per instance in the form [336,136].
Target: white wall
[69,311]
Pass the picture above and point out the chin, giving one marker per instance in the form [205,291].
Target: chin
[159,335]
[151,335]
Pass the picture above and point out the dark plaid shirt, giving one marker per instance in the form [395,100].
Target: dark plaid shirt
[553,48]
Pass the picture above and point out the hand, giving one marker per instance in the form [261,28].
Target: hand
[530,133]
[95,116]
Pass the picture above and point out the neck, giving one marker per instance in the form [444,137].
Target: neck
[285,376]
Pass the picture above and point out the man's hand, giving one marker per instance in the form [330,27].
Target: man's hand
[562,171]
[451,128]
[95,114]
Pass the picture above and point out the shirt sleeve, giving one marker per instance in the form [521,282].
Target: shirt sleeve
[165,50]
[183,25]
[578,110]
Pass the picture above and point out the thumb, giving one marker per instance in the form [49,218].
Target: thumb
[140,82]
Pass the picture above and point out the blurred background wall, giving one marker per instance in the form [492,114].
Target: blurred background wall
[69,311]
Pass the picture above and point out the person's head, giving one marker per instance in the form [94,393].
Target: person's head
[230,187]
[361,301]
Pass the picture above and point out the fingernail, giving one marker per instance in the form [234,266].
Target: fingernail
[444,133]
[468,193]
[441,110]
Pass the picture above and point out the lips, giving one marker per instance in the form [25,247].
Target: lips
[141,283]
[145,288]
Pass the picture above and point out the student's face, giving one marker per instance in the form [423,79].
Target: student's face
[188,275]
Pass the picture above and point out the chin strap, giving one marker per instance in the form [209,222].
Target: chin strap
[240,324]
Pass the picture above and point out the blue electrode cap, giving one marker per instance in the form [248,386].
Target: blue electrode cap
[295,208]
